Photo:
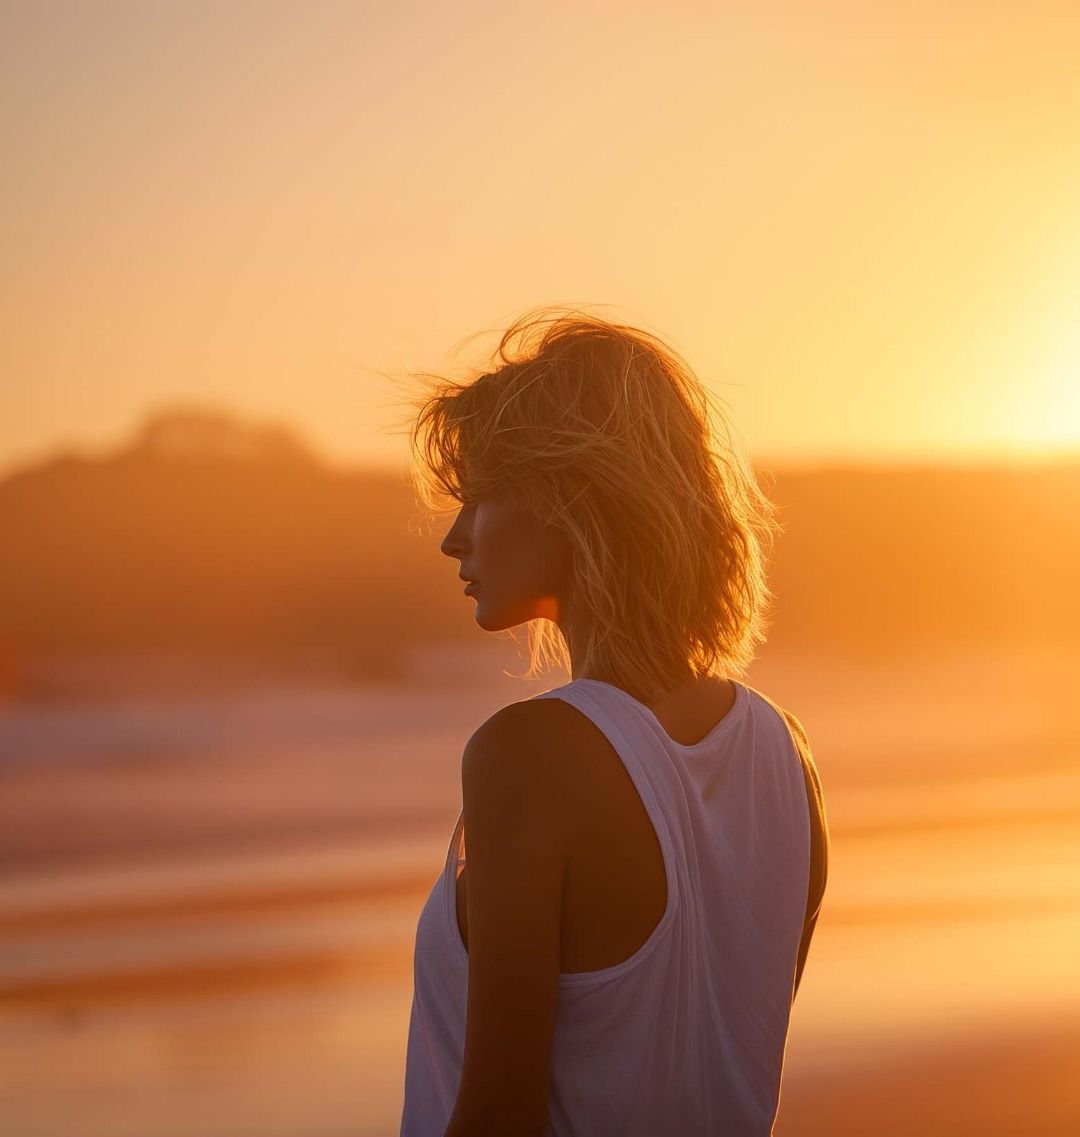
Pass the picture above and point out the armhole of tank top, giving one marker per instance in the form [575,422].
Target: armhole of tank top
[608,725]
[815,804]
[818,868]
[818,853]
[452,859]
[819,826]
[819,844]
[449,891]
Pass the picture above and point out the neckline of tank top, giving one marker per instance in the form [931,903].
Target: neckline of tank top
[734,712]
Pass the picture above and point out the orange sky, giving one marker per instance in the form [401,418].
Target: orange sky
[860,225]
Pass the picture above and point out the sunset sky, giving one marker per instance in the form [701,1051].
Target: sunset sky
[860,223]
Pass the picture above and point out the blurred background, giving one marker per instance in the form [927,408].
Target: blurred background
[236,674]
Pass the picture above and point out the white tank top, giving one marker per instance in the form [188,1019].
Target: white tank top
[687,1035]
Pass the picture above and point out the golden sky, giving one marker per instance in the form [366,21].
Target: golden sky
[860,222]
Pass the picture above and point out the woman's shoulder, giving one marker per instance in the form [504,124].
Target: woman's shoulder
[537,720]
[534,758]
[546,739]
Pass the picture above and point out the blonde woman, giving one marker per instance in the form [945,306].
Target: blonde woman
[647,843]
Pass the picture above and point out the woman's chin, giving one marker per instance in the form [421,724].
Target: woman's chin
[489,623]
[495,621]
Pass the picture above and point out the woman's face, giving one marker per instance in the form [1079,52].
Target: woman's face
[521,567]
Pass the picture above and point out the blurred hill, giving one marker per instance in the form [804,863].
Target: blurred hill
[210,535]
[884,561]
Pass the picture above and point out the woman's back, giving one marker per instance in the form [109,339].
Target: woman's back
[678,967]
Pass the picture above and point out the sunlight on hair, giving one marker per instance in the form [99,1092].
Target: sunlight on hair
[604,431]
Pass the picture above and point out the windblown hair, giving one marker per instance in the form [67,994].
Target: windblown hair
[605,432]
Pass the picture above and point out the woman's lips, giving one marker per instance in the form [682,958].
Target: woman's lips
[471,587]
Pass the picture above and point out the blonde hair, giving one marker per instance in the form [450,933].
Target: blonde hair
[605,432]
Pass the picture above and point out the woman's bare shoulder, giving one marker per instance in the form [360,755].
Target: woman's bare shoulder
[551,735]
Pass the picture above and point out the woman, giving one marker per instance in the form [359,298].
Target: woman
[647,843]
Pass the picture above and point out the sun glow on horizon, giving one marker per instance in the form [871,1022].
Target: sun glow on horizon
[1044,415]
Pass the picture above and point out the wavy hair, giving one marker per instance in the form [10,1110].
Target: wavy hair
[604,431]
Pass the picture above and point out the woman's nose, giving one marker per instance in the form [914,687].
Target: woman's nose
[453,544]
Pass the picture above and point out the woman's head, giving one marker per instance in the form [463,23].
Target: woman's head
[601,486]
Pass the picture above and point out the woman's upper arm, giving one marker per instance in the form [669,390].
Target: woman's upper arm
[515,821]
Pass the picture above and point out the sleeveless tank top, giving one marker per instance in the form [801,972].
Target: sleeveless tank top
[687,1035]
